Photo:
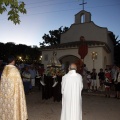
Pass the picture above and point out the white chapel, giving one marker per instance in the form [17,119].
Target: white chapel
[100,42]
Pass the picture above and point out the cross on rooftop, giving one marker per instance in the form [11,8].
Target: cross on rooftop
[83,3]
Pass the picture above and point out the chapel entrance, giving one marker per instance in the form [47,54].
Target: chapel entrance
[67,60]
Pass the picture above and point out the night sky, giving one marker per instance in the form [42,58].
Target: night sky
[45,15]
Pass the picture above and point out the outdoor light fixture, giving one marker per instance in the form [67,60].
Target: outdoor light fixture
[94,56]
[40,57]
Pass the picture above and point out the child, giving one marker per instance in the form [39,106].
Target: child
[88,81]
[108,81]
[93,79]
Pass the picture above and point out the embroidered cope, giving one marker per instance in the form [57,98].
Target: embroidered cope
[12,97]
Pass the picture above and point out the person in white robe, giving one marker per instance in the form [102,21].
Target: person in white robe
[71,87]
[12,97]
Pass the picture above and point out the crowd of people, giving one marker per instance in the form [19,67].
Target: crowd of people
[109,80]
[20,79]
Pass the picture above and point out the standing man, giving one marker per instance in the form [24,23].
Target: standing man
[71,88]
[33,75]
[84,74]
[94,80]
[117,84]
[26,80]
[12,97]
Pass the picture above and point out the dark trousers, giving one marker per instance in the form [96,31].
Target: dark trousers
[26,86]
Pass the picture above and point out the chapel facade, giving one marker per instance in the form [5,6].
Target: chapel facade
[99,40]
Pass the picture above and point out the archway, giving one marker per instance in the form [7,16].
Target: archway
[68,59]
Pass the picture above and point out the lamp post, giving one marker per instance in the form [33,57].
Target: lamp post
[40,58]
[94,56]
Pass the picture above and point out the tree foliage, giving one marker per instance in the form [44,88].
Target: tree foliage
[53,37]
[28,53]
[13,8]
[116,44]
[117,51]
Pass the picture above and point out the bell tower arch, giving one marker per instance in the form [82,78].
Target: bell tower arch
[82,17]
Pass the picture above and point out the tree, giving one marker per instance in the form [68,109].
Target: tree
[53,37]
[116,44]
[14,7]
[117,51]
[27,53]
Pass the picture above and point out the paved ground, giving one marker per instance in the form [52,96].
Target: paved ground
[95,107]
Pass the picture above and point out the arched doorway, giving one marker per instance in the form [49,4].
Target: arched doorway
[68,59]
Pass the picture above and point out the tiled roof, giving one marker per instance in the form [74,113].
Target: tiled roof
[76,45]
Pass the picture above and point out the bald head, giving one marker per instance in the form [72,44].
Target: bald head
[73,66]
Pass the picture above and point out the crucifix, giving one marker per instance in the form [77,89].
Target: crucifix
[83,3]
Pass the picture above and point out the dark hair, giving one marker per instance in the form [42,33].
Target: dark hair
[11,59]
[88,72]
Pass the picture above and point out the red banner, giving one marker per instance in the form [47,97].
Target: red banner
[83,48]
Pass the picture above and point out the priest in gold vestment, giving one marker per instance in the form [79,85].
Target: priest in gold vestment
[12,97]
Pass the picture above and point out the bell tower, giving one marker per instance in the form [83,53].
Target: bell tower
[82,17]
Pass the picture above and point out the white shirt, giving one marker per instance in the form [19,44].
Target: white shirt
[33,73]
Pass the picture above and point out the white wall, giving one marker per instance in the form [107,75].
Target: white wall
[90,31]
[98,63]
[60,54]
